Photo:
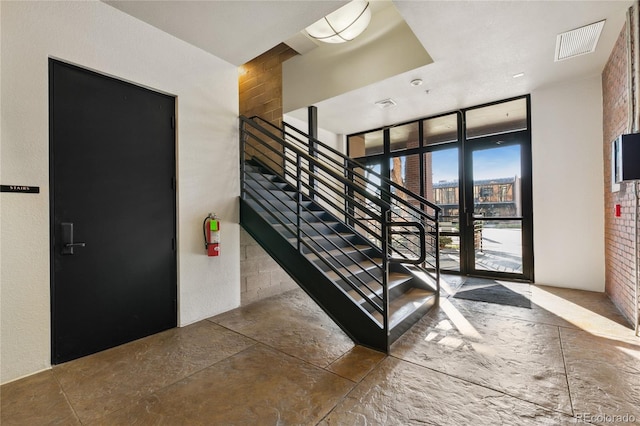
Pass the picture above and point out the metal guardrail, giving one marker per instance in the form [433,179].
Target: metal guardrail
[397,225]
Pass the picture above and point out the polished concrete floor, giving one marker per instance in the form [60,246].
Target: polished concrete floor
[570,359]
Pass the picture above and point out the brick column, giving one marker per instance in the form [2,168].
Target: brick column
[620,232]
[260,93]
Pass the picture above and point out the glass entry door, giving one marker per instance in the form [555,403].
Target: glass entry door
[498,219]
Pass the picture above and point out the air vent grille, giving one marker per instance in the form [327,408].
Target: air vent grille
[579,41]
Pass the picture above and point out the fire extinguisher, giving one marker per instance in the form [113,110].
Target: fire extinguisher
[211,229]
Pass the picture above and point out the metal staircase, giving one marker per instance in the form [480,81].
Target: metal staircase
[364,248]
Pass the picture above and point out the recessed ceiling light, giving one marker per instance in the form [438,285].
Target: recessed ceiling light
[416,82]
[386,103]
[520,74]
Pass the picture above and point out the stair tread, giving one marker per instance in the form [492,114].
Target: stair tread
[305,204]
[313,224]
[334,235]
[338,251]
[290,217]
[351,249]
[395,279]
[356,268]
[288,197]
[404,305]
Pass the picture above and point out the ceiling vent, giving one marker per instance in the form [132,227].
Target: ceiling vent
[386,103]
[578,42]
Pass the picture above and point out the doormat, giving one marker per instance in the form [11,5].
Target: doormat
[490,291]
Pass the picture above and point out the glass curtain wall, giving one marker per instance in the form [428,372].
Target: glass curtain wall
[476,165]
[421,156]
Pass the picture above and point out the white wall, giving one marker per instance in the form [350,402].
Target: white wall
[334,69]
[99,37]
[568,185]
[335,141]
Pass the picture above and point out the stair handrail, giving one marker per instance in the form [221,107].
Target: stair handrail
[298,228]
[349,182]
[344,172]
[314,251]
[295,228]
[312,146]
[310,158]
[314,141]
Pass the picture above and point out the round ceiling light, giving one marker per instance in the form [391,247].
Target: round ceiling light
[344,24]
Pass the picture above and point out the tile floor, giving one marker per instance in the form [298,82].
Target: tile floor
[567,360]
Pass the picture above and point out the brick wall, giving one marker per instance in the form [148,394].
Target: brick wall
[260,275]
[620,232]
[412,162]
[260,84]
[260,93]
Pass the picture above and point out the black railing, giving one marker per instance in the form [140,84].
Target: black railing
[398,226]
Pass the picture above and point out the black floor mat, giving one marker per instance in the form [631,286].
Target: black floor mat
[482,290]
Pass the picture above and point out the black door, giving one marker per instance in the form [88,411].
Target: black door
[113,220]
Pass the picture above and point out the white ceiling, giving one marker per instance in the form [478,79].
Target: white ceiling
[234,30]
[477,46]
[332,69]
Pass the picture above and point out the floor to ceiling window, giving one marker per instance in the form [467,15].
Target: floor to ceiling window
[476,165]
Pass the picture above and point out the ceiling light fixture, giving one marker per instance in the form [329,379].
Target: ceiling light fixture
[344,24]
[520,74]
[416,82]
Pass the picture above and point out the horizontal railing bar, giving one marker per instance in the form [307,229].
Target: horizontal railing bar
[386,180]
[494,218]
[331,266]
[284,156]
[352,276]
[319,143]
[421,233]
[350,199]
[320,234]
[321,165]
[375,235]
[412,208]
[348,215]
[323,181]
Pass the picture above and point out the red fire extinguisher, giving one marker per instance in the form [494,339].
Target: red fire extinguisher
[211,228]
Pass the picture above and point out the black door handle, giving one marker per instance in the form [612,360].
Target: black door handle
[67,239]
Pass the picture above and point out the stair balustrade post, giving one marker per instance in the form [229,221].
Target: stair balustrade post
[298,199]
[437,244]
[243,138]
[386,218]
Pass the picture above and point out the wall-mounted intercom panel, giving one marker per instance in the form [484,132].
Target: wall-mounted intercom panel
[625,158]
